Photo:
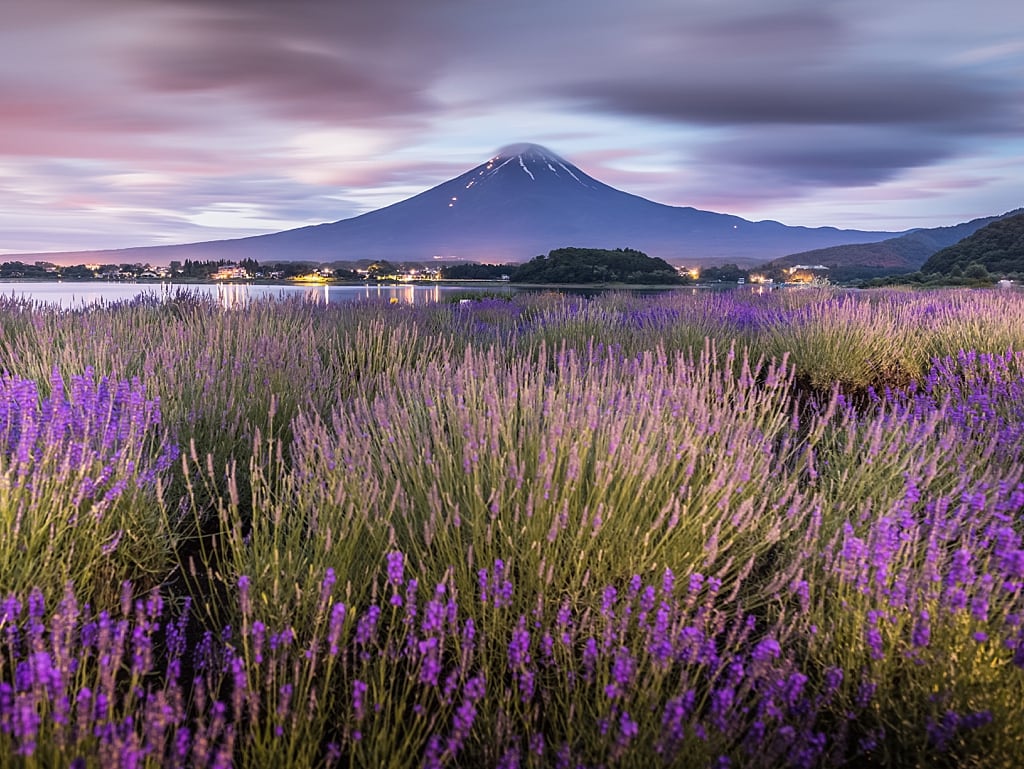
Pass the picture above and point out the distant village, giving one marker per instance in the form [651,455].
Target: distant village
[248,270]
[222,270]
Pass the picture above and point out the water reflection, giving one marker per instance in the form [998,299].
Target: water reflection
[232,295]
[68,295]
[235,295]
[74,295]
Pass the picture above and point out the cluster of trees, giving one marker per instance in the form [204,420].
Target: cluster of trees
[592,265]
[576,265]
[19,270]
[597,265]
[48,270]
[974,276]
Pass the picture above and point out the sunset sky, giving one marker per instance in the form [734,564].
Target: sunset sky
[141,122]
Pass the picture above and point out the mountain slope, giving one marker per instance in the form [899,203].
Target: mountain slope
[905,253]
[998,247]
[524,201]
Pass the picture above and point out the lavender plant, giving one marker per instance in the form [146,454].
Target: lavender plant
[80,474]
[626,531]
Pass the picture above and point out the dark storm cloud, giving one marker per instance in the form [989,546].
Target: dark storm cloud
[829,155]
[934,99]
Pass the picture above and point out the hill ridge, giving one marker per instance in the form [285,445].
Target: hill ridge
[905,253]
[998,247]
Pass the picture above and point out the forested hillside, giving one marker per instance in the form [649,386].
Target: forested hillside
[998,247]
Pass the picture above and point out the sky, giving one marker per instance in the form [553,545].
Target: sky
[146,122]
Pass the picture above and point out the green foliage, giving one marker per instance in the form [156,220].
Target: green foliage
[18,270]
[727,273]
[340,273]
[997,248]
[595,265]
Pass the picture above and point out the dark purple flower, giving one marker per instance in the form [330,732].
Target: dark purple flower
[359,699]
[766,651]
[334,629]
[395,568]
[623,669]
[628,730]
[366,628]
[922,632]
[430,669]
[519,646]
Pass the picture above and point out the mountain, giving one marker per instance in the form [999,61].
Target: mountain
[905,253]
[524,201]
[998,247]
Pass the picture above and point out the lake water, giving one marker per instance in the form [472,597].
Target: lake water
[71,295]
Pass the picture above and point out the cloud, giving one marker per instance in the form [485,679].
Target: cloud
[839,156]
[326,62]
[831,96]
[135,120]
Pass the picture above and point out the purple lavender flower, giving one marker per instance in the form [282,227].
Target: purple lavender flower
[494,586]
[766,651]
[244,598]
[608,601]
[359,699]
[628,730]
[327,585]
[668,582]
[623,669]
[590,654]
[366,628]
[435,614]
[723,700]
[430,670]
[395,568]
[922,632]
[519,646]
[1018,653]
[334,629]
[833,680]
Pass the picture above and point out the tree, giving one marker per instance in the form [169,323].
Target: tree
[77,272]
[728,273]
[976,271]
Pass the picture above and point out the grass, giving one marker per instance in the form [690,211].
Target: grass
[683,530]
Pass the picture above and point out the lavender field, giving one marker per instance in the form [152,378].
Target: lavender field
[691,530]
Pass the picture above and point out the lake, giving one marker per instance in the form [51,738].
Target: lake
[72,295]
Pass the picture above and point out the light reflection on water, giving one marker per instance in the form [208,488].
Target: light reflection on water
[74,295]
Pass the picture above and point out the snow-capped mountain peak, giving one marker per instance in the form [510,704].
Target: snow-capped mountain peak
[535,162]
